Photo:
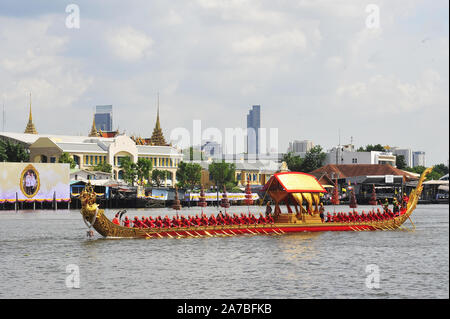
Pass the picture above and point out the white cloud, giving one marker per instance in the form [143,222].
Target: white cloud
[388,94]
[34,62]
[288,41]
[212,60]
[130,44]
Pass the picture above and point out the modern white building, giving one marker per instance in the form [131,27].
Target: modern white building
[300,146]
[212,149]
[347,155]
[407,154]
[418,159]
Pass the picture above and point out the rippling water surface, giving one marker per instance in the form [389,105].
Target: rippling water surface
[36,247]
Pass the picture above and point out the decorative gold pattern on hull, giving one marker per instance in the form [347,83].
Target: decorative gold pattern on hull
[107,228]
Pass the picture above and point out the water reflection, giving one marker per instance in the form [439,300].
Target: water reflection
[298,245]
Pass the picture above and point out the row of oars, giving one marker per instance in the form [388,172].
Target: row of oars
[216,232]
[384,226]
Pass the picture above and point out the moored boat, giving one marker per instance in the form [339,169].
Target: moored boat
[302,191]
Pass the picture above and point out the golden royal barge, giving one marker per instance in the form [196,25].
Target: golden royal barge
[290,188]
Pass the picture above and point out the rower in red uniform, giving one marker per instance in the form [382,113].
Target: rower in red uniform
[243,219]
[175,222]
[198,220]
[159,222]
[166,222]
[334,218]
[150,222]
[220,219]
[228,219]
[184,221]
[262,219]
[136,222]
[126,222]
[405,200]
[116,219]
[270,219]
[363,216]
[212,220]
[143,222]
[204,220]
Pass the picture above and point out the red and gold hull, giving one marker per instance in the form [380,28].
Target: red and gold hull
[108,229]
[95,217]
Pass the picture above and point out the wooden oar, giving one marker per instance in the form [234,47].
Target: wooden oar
[226,233]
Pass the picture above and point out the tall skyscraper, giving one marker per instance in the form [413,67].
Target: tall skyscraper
[253,126]
[300,146]
[418,158]
[407,154]
[104,118]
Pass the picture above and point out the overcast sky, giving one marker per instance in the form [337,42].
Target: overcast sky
[314,67]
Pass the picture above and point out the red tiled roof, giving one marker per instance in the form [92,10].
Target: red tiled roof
[351,170]
[108,134]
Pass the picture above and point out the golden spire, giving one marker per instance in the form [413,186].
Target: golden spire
[94,132]
[30,129]
[157,136]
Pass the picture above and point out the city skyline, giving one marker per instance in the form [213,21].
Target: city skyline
[316,68]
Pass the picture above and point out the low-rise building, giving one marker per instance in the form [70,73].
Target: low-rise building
[87,175]
[89,152]
[347,155]
[388,180]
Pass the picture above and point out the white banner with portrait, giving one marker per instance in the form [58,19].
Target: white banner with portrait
[34,182]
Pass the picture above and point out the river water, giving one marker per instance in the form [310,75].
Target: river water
[39,250]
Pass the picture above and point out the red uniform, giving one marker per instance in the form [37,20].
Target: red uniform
[212,220]
[262,219]
[137,223]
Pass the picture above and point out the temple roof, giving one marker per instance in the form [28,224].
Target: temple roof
[94,132]
[157,138]
[30,129]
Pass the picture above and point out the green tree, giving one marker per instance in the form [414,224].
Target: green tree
[143,168]
[441,169]
[314,159]
[103,167]
[370,148]
[294,162]
[129,170]
[222,173]
[158,176]
[189,174]
[190,154]
[13,152]
[3,156]
[435,174]
[400,162]
[65,158]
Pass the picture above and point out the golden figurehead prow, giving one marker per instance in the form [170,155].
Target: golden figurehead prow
[95,217]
